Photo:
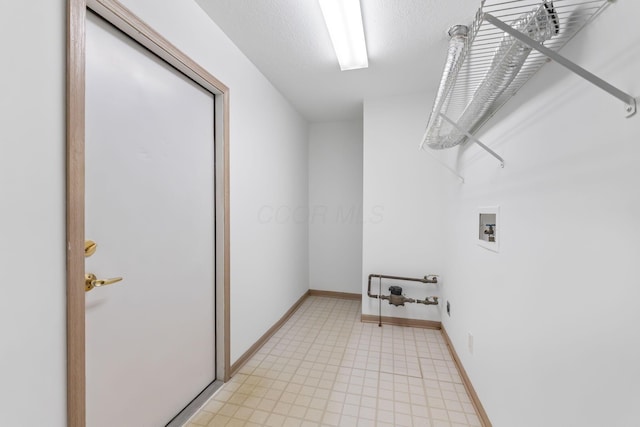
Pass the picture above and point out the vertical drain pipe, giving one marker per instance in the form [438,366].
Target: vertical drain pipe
[379,302]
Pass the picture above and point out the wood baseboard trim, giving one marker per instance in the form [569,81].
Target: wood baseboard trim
[334,294]
[475,400]
[264,338]
[399,321]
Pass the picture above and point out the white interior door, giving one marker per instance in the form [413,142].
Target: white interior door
[150,208]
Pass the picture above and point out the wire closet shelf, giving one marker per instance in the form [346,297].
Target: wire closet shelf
[481,55]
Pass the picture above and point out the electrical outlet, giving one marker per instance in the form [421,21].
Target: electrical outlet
[448,309]
[470,343]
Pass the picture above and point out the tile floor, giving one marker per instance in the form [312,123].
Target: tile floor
[326,368]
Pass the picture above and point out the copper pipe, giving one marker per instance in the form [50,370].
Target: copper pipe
[431,278]
[428,301]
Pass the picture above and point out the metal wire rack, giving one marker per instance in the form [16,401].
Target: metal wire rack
[487,34]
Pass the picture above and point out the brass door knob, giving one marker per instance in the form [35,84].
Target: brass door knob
[91,281]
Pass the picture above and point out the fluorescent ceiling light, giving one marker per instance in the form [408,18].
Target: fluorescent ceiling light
[344,22]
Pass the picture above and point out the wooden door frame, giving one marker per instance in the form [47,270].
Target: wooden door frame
[127,22]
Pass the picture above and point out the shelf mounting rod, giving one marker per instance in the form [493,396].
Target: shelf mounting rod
[474,139]
[630,101]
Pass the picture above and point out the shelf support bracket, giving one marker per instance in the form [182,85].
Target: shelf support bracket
[630,101]
[473,138]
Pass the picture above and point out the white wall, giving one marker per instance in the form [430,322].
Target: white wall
[555,313]
[403,221]
[32,233]
[269,261]
[335,206]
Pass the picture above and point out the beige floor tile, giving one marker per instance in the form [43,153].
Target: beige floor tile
[219,420]
[243,413]
[234,422]
[291,422]
[275,420]
[326,368]
[202,418]
[259,417]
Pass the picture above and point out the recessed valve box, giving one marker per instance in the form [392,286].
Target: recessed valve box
[489,227]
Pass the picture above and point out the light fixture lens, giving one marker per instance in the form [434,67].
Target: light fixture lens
[344,22]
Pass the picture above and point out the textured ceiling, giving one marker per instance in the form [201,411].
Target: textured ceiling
[288,42]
